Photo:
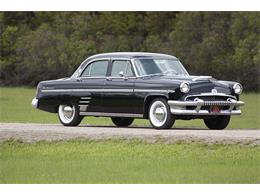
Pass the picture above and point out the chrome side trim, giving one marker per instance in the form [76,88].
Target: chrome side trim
[83,108]
[154,90]
[87,90]
[179,107]
[85,98]
[109,90]
[105,114]
[84,102]
[35,103]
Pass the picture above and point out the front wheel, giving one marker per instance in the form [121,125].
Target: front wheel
[219,122]
[122,121]
[69,115]
[160,114]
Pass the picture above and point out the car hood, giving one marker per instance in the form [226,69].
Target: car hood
[198,84]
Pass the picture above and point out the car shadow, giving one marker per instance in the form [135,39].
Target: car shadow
[141,127]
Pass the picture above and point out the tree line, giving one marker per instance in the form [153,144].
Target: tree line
[38,46]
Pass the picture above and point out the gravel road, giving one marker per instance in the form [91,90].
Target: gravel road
[31,132]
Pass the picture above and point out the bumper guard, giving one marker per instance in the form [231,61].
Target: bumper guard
[35,102]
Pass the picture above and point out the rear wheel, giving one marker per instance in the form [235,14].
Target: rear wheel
[219,122]
[160,114]
[69,115]
[121,121]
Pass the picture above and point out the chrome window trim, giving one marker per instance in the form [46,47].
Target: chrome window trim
[90,77]
[134,67]
[119,58]
[81,70]
[103,59]
[141,76]
[126,77]
[124,59]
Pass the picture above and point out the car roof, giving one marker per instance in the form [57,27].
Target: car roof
[130,55]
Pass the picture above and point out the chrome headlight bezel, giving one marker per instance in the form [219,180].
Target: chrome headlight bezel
[184,87]
[237,87]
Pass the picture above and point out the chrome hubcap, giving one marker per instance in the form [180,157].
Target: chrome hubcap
[158,113]
[66,113]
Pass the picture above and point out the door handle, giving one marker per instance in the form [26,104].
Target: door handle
[79,79]
[109,79]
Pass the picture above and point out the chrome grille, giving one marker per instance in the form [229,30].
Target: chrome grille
[217,103]
[211,97]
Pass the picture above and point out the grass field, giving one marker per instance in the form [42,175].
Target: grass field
[15,106]
[118,161]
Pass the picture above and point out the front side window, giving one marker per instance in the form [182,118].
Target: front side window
[121,67]
[98,68]
[160,67]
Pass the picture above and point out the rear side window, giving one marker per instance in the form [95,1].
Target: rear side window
[121,66]
[98,68]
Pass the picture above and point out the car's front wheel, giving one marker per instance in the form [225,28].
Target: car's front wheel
[160,114]
[122,121]
[219,122]
[69,115]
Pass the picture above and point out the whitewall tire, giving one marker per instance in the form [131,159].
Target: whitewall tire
[160,114]
[69,115]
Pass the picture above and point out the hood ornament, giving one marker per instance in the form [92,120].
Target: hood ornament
[214,91]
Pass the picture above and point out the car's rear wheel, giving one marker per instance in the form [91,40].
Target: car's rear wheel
[122,121]
[219,122]
[69,115]
[160,114]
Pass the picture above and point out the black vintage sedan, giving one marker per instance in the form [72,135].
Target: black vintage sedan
[125,86]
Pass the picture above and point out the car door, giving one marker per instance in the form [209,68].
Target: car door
[119,87]
[91,82]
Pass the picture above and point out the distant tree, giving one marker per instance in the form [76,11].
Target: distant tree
[38,46]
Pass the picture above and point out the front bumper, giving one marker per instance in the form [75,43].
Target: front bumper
[200,107]
[35,102]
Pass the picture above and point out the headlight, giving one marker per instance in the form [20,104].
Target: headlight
[238,88]
[185,87]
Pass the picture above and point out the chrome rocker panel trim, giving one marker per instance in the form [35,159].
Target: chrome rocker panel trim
[179,107]
[105,114]
[35,103]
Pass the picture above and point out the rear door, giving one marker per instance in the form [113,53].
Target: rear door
[92,82]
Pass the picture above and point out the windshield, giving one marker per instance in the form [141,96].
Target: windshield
[160,67]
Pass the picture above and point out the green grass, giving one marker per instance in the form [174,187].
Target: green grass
[120,161]
[15,106]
